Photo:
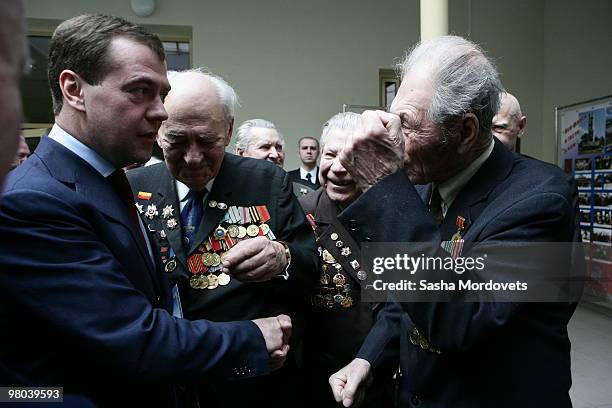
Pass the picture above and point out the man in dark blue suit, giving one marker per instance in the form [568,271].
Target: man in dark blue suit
[83,301]
[477,353]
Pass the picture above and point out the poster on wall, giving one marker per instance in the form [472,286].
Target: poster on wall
[584,151]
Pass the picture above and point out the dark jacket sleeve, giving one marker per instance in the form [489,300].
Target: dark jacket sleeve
[458,326]
[61,284]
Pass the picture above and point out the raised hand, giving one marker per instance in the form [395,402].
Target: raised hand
[374,151]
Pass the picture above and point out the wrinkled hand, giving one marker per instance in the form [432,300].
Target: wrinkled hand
[375,150]
[276,332]
[348,384]
[255,260]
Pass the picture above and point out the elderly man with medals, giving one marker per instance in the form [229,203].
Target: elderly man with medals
[340,319]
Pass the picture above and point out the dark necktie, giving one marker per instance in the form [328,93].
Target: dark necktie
[191,217]
[309,178]
[120,184]
[435,205]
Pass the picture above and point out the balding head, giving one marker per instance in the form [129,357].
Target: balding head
[200,110]
[509,123]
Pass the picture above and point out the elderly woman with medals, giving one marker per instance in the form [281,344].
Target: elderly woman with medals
[338,321]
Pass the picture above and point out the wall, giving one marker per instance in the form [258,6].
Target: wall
[577,58]
[512,34]
[296,62]
[293,62]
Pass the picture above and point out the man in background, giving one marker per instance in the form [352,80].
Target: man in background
[508,124]
[23,152]
[308,173]
[260,139]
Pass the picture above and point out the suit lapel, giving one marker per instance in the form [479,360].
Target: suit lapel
[166,190]
[472,199]
[221,193]
[67,167]
[326,218]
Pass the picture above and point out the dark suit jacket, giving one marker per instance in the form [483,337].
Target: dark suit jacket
[492,354]
[241,182]
[294,176]
[83,306]
[334,333]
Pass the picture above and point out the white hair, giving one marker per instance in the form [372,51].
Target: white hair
[463,78]
[227,95]
[346,121]
[244,136]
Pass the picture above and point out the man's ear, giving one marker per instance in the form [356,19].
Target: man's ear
[230,129]
[469,128]
[521,125]
[71,85]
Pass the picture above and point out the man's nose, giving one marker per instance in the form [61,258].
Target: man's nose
[193,156]
[157,111]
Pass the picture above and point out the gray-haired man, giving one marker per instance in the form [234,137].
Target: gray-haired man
[438,137]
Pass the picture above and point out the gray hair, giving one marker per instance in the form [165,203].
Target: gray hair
[464,80]
[243,133]
[226,94]
[346,121]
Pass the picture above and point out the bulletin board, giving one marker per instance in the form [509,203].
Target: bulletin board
[584,150]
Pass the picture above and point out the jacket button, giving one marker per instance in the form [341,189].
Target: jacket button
[415,400]
[352,225]
[367,239]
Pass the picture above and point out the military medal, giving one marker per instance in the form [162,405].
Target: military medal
[208,259]
[327,257]
[139,207]
[242,232]
[219,233]
[339,279]
[252,230]
[346,302]
[355,264]
[171,223]
[361,275]
[224,279]
[334,236]
[233,231]
[222,206]
[216,259]
[167,211]
[198,281]
[345,252]
[170,266]
[265,229]
[213,281]
[212,203]
[324,279]
[338,298]
[151,211]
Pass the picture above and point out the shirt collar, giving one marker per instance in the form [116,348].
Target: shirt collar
[84,152]
[182,190]
[313,173]
[451,187]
